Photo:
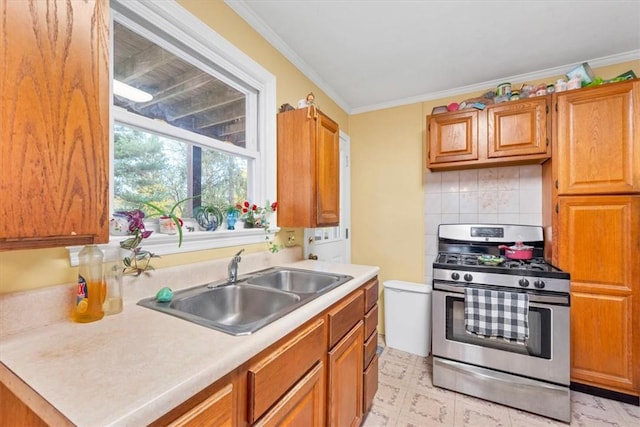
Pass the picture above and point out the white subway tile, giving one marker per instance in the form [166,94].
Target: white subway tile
[488,218]
[468,218]
[509,178]
[450,218]
[469,203]
[431,224]
[433,203]
[508,201]
[488,201]
[530,201]
[487,179]
[531,218]
[469,180]
[509,218]
[433,182]
[450,182]
[450,203]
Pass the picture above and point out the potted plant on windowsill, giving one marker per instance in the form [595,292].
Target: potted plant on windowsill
[170,222]
[209,217]
[137,260]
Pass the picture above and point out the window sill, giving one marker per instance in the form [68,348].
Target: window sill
[164,244]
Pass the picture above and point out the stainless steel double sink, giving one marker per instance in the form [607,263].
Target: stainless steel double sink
[250,303]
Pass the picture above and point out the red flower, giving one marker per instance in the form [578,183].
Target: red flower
[254,208]
[246,204]
[274,206]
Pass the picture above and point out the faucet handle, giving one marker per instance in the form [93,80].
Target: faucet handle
[236,257]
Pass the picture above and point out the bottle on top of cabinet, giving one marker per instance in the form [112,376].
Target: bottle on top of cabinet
[91,289]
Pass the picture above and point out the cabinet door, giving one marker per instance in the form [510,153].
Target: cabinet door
[598,130]
[270,377]
[598,242]
[328,176]
[54,156]
[453,137]
[308,170]
[518,128]
[216,411]
[303,405]
[345,380]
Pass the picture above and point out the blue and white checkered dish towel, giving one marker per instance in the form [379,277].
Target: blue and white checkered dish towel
[497,314]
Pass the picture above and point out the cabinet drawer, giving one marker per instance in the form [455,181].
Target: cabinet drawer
[343,317]
[217,410]
[271,377]
[370,294]
[371,321]
[303,405]
[370,384]
[370,347]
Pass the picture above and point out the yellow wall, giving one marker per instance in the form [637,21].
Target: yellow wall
[387,197]
[387,164]
[30,269]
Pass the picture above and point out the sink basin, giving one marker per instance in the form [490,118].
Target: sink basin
[237,309]
[298,281]
[251,303]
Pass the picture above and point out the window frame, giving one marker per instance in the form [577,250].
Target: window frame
[180,25]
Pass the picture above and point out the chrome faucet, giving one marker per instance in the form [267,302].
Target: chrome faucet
[233,267]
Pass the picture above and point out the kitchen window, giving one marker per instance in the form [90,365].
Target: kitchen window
[199,122]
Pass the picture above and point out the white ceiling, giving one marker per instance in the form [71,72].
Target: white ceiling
[373,54]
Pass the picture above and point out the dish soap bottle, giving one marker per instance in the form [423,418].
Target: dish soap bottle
[91,289]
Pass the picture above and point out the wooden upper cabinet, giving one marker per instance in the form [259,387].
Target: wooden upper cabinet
[596,129]
[308,170]
[453,137]
[54,155]
[509,133]
[518,129]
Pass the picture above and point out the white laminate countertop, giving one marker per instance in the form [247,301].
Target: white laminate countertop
[129,369]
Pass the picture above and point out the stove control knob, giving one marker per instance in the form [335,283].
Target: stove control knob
[468,277]
[455,276]
[538,284]
[523,282]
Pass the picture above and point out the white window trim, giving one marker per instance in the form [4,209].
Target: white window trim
[177,22]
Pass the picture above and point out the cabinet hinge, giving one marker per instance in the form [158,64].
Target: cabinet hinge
[556,107]
[556,184]
[547,141]
[557,208]
[547,108]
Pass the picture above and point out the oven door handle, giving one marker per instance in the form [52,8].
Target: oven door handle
[549,299]
[469,370]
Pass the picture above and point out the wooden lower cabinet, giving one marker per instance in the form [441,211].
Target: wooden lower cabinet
[217,410]
[321,374]
[598,242]
[345,379]
[303,405]
[370,383]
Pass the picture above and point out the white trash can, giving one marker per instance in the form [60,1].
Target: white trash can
[407,316]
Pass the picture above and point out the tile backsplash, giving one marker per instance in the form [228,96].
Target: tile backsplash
[505,195]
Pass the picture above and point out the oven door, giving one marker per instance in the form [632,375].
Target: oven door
[545,355]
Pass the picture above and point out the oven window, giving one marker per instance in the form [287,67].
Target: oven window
[538,344]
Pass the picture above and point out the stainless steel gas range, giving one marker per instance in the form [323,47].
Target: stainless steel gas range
[529,371]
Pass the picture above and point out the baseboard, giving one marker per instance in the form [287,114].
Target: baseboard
[607,394]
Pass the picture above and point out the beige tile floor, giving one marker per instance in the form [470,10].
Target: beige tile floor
[406,397]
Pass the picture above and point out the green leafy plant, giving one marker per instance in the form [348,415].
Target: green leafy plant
[139,260]
[208,216]
[171,213]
